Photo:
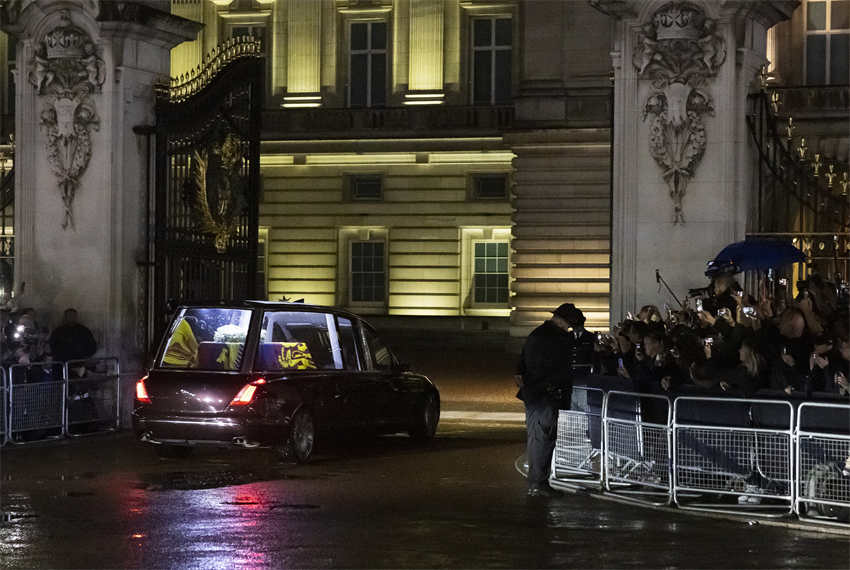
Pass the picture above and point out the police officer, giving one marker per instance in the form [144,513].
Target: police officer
[545,378]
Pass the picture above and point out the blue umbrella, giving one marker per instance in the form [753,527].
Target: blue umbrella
[758,254]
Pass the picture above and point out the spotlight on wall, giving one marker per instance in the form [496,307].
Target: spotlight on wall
[424,98]
[306,100]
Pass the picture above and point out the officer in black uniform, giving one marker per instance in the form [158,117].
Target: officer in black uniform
[545,375]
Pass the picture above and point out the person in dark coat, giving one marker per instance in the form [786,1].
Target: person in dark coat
[545,372]
[71,340]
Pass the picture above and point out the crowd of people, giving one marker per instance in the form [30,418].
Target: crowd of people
[734,343]
[719,341]
[23,341]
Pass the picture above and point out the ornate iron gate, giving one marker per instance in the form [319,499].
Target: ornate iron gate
[207,181]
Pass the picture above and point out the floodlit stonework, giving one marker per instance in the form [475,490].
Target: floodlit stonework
[468,163]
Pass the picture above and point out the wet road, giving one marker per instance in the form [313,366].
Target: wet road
[108,502]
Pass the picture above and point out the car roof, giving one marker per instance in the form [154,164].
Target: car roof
[281,305]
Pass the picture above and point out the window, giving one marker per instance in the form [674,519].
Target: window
[298,340]
[490,272]
[366,188]
[827,42]
[207,339]
[490,187]
[367,70]
[257,31]
[348,344]
[368,275]
[491,61]
[262,264]
[382,358]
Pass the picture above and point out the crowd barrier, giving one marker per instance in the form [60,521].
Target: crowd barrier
[823,462]
[637,444]
[48,400]
[764,457]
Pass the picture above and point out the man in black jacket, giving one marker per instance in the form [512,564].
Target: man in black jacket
[545,369]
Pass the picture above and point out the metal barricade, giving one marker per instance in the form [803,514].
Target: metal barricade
[733,455]
[578,449]
[36,401]
[823,463]
[637,446]
[92,400]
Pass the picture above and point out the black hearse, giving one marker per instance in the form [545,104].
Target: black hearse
[262,374]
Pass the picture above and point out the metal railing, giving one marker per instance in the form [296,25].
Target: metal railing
[578,449]
[753,457]
[823,463]
[637,446]
[50,400]
[92,403]
[733,448]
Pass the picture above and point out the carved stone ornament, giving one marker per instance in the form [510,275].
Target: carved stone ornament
[220,189]
[65,72]
[679,50]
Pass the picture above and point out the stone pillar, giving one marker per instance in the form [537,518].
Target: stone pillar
[682,159]
[304,56]
[426,52]
[85,80]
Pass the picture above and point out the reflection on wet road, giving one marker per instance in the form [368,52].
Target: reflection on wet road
[108,502]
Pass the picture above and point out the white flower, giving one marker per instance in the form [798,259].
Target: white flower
[230,333]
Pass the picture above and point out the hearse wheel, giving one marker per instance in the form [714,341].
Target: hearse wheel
[302,437]
[428,417]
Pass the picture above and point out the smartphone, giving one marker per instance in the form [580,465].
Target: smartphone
[749,311]
[620,363]
[709,341]
[724,312]
[699,305]
[783,282]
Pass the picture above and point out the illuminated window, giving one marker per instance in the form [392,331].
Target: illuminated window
[490,187]
[491,272]
[368,273]
[367,70]
[257,31]
[366,187]
[827,42]
[491,61]
[262,290]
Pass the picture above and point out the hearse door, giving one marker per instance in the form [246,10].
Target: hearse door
[357,388]
[383,369]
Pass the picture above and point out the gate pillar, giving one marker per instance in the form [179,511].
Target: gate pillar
[682,172]
[86,72]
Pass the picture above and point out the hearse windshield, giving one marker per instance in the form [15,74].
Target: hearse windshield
[207,339]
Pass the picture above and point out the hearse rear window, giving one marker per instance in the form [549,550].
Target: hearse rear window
[298,340]
[207,339]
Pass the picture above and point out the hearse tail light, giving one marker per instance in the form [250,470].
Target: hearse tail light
[246,395]
[142,392]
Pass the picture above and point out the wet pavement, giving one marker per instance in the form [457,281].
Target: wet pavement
[386,503]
